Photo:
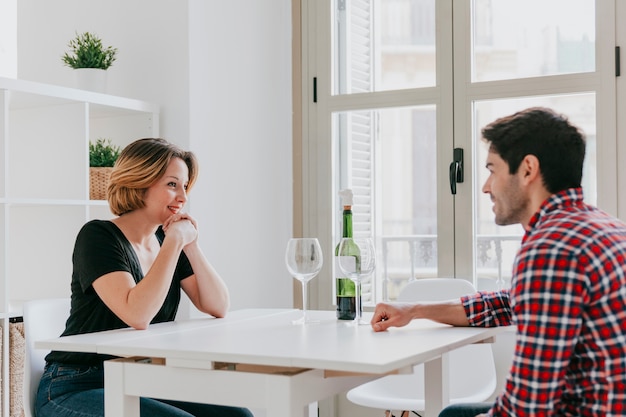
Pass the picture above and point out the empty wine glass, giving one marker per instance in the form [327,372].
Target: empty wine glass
[357,259]
[304,261]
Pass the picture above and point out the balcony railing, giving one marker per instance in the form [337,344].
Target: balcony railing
[406,258]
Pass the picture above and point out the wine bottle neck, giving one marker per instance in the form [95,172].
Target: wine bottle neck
[347,221]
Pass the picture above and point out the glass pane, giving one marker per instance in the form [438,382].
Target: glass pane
[381,45]
[388,158]
[532,38]
[496,246]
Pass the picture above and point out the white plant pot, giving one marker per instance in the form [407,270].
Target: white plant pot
[91,79]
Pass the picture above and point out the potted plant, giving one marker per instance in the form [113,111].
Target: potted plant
[90,59]
[102,157]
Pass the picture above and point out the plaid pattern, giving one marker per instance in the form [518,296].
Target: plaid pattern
[568,302]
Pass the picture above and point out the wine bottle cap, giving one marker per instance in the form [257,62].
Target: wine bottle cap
[346,197]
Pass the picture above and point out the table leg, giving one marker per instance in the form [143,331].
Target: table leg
[436,377]
[283,399]
[116,402]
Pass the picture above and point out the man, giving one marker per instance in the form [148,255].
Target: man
[568,289]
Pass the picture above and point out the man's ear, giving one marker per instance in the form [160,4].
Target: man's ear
[529,169]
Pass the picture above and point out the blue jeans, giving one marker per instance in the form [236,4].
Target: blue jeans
[78,391]
[465,410]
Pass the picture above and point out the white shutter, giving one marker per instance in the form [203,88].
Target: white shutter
[355,23]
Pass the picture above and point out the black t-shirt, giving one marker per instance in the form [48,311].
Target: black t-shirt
[101,248]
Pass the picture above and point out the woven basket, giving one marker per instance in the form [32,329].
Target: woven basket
[17,351]
[1,373]
[98,182]
[17,348]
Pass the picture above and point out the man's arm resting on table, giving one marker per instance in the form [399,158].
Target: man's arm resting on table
[400,314]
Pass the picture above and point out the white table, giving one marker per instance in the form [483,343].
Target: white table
[256,358]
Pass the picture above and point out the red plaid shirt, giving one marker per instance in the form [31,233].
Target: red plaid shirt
[568,302]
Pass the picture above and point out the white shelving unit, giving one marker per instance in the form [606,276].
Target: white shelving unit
[44,185]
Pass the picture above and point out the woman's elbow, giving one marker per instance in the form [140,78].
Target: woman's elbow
[216,310]
[219,314]
[138,324]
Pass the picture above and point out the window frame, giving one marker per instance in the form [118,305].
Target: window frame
[320,204]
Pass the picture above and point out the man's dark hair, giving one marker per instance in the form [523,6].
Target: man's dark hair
[558,145]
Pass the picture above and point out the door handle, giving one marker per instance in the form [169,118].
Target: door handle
[456,169]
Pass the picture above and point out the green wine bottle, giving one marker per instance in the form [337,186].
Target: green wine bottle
[345,288]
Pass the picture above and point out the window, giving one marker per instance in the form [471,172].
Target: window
[401,83]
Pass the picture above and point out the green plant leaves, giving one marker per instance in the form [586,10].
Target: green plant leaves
[87,52]
[103,153]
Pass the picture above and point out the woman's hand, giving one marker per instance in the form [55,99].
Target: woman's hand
[183,226]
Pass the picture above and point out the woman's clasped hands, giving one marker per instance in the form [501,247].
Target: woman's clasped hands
[183,226]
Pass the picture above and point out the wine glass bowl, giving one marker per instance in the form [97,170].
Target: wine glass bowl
[357,259]
[304,261]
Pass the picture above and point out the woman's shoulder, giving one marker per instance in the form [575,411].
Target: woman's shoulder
[97,237]
[98,228]
[98,225]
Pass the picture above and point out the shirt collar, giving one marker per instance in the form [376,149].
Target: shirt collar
[566,198]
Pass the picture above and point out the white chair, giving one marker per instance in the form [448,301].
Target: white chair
[43,319]
[472,368]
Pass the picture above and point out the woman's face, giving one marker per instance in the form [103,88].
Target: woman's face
[168,195]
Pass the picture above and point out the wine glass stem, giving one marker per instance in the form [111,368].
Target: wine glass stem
[357,297]
[304,300]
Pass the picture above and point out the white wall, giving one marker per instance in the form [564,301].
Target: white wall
[8,38]
[221,71]
[151,37]
[240,101]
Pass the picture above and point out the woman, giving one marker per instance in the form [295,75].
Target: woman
[128,272]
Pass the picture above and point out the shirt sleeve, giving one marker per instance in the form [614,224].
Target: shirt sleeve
[97,252]
[488,308]
[547,303]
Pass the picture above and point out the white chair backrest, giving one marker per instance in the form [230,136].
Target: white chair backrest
[43,319]
[472,375]
[435,289]
[481,366]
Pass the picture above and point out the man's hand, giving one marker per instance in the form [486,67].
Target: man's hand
[391,315]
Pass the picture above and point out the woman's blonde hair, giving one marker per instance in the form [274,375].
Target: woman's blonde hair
[139,166]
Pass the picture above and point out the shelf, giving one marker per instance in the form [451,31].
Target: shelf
[29,94]
[15,310]
[45,131]
[14,202]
